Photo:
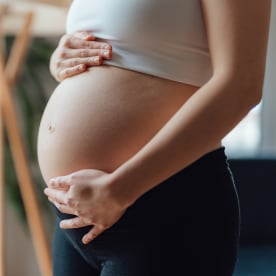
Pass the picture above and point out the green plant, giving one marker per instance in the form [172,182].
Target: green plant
[30,95]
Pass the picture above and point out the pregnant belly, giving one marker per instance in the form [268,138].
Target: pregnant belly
[102,117]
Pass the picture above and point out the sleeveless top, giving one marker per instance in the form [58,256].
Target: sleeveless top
[163,38]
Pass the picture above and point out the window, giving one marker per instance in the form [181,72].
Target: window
[245,138]
[255,135]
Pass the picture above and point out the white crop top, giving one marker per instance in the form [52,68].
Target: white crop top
[163,38]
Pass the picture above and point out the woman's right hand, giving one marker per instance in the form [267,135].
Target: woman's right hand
[75,53]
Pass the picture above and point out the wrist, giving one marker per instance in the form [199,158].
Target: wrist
[124,188]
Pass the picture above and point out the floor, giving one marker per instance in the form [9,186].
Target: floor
[256,261]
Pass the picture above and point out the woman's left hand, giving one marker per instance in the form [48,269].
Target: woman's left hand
[88,194]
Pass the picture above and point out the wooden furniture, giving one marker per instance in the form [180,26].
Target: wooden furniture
[9,122]
[61,3]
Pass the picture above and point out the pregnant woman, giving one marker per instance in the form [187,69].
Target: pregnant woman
[131,150]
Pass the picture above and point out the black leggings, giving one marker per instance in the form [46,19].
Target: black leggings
[187,225]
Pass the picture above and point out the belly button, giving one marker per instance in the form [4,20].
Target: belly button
[51,128]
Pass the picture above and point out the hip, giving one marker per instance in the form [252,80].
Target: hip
[201,195]
[194,213]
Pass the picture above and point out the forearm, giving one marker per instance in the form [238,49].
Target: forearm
[193,131]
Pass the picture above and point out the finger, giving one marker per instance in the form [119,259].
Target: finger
[72,71]
[86,35]
[73,223]
[56,183]
[77,43]
[64,209]
[57,196]
[68,179]
[84,53]
[93,233]
[91,61]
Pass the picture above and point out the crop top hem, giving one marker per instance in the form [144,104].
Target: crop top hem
[194,82]
[193,67]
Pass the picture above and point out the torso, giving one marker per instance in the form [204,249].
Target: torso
[102,117]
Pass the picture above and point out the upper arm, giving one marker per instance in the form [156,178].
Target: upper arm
[237,33]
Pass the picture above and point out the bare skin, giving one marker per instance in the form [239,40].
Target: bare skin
[101,117]
[196,126]
[76,53]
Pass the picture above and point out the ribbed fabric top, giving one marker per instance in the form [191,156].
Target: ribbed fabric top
[163,38]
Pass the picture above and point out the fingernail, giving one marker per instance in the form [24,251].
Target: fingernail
[85,240]
[95,59]
[81,66]
[90,35]
[85,35]
[107,47]
[106,54]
